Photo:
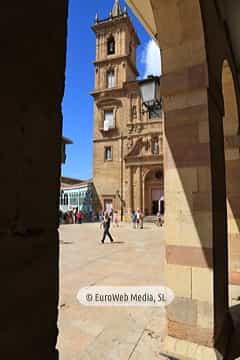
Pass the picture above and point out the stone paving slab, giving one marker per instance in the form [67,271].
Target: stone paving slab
[92,333]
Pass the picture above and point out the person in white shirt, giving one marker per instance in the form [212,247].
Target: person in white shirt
[138,218]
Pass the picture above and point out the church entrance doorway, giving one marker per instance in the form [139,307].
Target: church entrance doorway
[153,189]
[156,195]
[108,205]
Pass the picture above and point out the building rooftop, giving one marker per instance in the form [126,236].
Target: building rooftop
[71,183]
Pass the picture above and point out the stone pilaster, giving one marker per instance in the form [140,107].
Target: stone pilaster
[195,228]
[130,190]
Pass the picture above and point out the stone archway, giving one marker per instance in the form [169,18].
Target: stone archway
[194,178]
[232,166]
[194,169]
[153,190]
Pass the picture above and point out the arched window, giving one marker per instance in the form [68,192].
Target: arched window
[111,79]
[111,46]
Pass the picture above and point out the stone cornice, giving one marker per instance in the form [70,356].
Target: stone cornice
[127,136]
[108,23]
[113,92]
[112,138]
[144,160]
[114,59]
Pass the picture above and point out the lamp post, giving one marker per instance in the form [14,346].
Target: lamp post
[150,94]
[121,201]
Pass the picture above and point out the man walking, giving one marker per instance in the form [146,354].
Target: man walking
[141,219]
[106,226]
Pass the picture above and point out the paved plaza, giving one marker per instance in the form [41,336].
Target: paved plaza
[109,333]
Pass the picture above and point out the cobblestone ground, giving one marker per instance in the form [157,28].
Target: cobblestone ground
[93,333]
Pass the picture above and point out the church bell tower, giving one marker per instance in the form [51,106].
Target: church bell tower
[115,66]
[116,43]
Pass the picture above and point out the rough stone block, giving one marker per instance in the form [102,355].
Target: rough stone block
[203,131]
[202,201]
[205,315]
[234,225]
[171,229]
[181,180]
[183,310]
[232,176]
[178,202]
[190,53]
[204,179]
[178,278]
[202,285]
[189,229]
[186,350]
[232,154]
[189,256]
[185,100]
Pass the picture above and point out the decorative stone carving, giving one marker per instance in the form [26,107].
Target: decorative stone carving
[129,143]
[144,146]
[155,146]
[137,128]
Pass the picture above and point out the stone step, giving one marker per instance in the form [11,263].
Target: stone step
[150,219]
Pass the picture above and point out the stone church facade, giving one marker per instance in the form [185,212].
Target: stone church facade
[128,144]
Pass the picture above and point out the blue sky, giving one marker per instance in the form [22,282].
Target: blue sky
[77,104]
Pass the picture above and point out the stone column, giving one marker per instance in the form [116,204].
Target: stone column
[139,195]
[97,47]
[195,225]
[117,76]
[139,108]
[130,191]
[195,193]
[141,188]
[118,42]
[138,188]
[232,157]
[160,142]
[101,52]
[130,99]
[32,82]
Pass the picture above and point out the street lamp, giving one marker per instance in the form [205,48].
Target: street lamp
[149,90]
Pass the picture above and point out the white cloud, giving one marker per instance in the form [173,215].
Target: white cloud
[151,59]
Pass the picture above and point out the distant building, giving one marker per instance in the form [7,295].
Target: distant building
[65,180]
[81,195]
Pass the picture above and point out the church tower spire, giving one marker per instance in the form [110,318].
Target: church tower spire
[116,44]
[116,10]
